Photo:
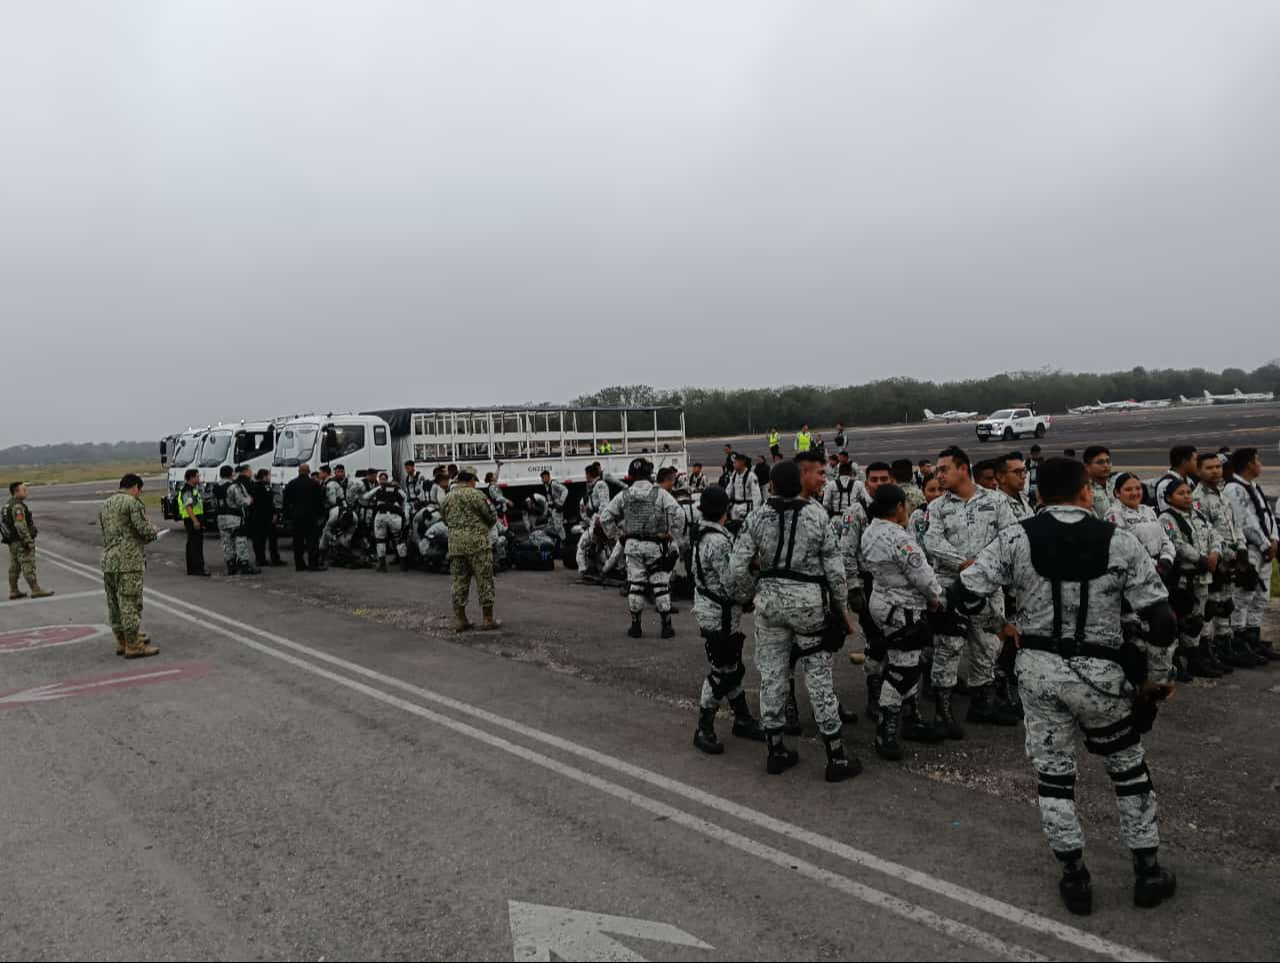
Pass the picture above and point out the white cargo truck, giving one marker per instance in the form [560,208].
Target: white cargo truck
[357,442]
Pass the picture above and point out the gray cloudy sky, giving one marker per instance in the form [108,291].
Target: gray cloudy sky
[227,209]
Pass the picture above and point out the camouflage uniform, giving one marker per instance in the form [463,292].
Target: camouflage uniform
[415,491]
[125,530]
[388,519]
[789,612]
[744,494]
[228,523]
[903,585]
[1060,694]
[1258,525]
[645,552]
[1193,540]
[469,516]
[850,527]
[955,531]
[842,493]
[1142,523]
[1019,505]
[915,497]
[557,496]
[22,545]
[918,523]
[1101,498]
[1222,517]
[718,618]
[238,502]
[335,498]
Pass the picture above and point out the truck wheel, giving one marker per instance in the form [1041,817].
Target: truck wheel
[1040,431]
[1008,434]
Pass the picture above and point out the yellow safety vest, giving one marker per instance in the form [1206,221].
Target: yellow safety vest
[197,509]
[802,441]
[773,440]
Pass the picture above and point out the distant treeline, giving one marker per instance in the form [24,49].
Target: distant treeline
[735,411]
[68,452]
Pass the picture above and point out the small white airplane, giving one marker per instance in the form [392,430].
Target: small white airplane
[1195,402]
[1239,396]
[949,415]
[1156,403]
[1085,410]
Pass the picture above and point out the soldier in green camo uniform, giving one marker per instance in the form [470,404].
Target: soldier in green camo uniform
[789,542]
[19,529]
[1071,573]
[470,517]
[1199,550]
[125,530]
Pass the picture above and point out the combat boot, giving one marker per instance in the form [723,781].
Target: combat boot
[489,623]
[635,631]
[704,737]
[1007,696]
[1246,658]
[1152,883]
[887,744]
[946,716]
[460,621]
[780,758]
[914,729]
[791,711]
[135,649]
[745,725]
[874,684]
[1263,648]
[38,593]
[1076,885]
[1200,665]
[840,765]
[119,643]
[983,709]
[847,716]
[1220,649]
[1182,668]
[668,632]
[15,594]
[382,564]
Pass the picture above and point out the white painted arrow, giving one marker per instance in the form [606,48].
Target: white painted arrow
[61,690]
[539,931]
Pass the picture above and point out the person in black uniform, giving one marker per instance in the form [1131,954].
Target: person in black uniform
[304,507]
[262,520]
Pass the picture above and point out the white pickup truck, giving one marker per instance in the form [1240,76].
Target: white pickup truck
[1009,423]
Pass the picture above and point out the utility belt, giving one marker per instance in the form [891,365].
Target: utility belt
[1128,655]
[834,629]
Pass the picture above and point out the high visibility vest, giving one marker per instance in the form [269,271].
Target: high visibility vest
[197,509]
[802,441]
[606,448]
[773,439]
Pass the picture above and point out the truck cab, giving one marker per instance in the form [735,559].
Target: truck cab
[249,443]
[1010,423]
[358,442]
[179,452]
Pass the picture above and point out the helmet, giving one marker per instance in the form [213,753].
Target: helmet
[640,468]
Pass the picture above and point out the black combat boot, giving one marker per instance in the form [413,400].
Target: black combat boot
[745,725]
[1076,885]
[1152,883]
[780,758]
[1181,666]
[942,703]
[840,764]
[667,631]
[887,744]
[1220,648]
[635,631]
[1200,664]
[1261,646]
[382,564]
[874,684]
[791,711]
[847,716]
[1246,658]
[983,709]
[1007,696]
[704,737]
[914,729]
[233,567]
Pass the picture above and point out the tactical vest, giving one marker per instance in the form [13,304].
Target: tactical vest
[785,551]
[8,528]
[197,509]
[643,518]
[1266,518]
[220,496]
[1068,552]
[844,495]
[700,578]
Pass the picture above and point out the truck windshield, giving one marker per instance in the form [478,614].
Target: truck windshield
[296,445]
[184,451]
[1001,415]
[216,446]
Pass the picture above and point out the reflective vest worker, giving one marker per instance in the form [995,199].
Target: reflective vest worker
[606,448]
[775,443]
[191,511]
[803,439]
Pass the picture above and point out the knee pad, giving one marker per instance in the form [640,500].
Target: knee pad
[1130,788]
[1225,607]
[1110,739]
[1212,609]
[1057,785]
[1192,626]
[902,677]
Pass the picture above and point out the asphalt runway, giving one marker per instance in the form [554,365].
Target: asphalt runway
[1138,440]
[315,767]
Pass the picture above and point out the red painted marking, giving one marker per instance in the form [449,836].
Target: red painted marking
[40,636]
[146,674]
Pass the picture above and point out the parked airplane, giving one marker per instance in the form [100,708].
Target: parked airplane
[949,415]
[1195,402]
[1237,396]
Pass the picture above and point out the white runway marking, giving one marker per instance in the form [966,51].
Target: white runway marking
[53,598]
[1041,925]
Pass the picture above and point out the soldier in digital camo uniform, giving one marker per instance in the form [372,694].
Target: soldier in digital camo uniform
[1071,572]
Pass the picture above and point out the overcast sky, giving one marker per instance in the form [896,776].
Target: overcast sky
[233,209]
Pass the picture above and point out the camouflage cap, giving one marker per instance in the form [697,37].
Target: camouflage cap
[468,471]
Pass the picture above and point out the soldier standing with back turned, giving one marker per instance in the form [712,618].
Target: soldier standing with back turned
[125,530]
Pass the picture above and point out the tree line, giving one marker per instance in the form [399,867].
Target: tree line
[69,452]
[735,411]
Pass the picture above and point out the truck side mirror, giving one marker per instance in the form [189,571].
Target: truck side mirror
[164,452]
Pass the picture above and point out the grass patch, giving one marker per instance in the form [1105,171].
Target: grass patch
[75,472]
